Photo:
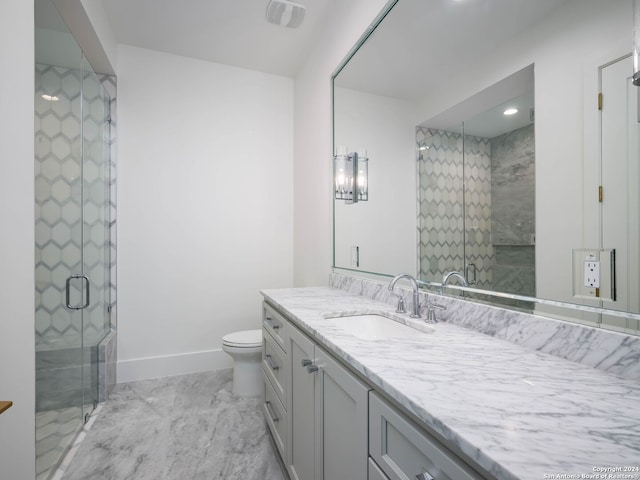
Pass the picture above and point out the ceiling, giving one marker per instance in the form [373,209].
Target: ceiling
[422,44]
[231,32]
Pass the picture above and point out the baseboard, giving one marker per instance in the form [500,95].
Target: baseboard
[171,365]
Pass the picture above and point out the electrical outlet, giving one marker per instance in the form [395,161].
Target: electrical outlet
[592,273]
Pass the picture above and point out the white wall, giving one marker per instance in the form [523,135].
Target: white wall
[384,227]
[205,174]
[312,136]
[17,346]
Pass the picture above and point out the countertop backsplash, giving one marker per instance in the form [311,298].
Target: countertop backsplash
[612,352]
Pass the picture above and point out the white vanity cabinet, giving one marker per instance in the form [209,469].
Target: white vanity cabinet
[314,407]
[329,425]
[327,415]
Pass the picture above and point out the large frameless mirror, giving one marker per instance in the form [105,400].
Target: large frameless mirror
[502,139]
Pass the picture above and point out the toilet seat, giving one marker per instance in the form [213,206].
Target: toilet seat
[243,339]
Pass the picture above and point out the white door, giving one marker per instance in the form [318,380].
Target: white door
[620,180]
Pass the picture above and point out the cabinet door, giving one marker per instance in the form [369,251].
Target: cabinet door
[300,405]
[341,422]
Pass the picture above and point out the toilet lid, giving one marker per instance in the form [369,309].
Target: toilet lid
[245,338]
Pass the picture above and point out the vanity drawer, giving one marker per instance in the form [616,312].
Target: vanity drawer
[405,452]
[274,323]
[274,365]
[275,416]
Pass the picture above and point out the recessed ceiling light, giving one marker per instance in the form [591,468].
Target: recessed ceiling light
[511,111]
[50,98]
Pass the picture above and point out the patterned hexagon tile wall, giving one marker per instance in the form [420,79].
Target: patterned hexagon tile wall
[442,211]
[58,213]
[59,224]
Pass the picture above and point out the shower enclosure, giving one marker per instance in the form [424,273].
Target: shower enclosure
[72,238]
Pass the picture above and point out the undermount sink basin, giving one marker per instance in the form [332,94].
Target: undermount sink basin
[373,326]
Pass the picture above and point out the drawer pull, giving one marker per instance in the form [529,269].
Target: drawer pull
[306,362]
[273,416]
[312,368]
[424,476]
[269,321]
[273,365]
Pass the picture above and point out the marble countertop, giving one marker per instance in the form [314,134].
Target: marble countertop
[516,412]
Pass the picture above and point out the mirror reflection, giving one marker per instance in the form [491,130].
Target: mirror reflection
[520,207]
[480,170]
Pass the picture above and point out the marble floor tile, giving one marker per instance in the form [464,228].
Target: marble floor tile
[187,427]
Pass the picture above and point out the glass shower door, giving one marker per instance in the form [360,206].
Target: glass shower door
[95,227]
[71,237]
[58,256]
[72,252]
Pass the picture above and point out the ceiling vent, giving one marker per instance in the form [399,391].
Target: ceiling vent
[285,13]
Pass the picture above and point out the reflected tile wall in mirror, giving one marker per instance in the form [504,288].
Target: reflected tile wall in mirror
[444,246]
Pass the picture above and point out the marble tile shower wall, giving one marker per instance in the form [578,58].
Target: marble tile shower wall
[606,350]
[442,212]
[513,211]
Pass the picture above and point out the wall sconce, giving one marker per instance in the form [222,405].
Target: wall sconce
[636,42]
[351,175]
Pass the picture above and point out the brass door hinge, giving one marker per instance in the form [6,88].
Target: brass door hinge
[600,194]
[600,101]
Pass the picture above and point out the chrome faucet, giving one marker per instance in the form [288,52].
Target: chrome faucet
[449,276]
[416,296]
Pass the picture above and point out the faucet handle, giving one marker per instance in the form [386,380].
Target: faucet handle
[400,308]
[431,312]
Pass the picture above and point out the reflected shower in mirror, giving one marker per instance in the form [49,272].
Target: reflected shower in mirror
[476,175]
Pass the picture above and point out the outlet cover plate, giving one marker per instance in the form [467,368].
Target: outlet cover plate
[594,274]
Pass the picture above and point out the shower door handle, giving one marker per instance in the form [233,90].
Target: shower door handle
[68,293]
[470,268]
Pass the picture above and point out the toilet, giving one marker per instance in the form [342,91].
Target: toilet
[245,348]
